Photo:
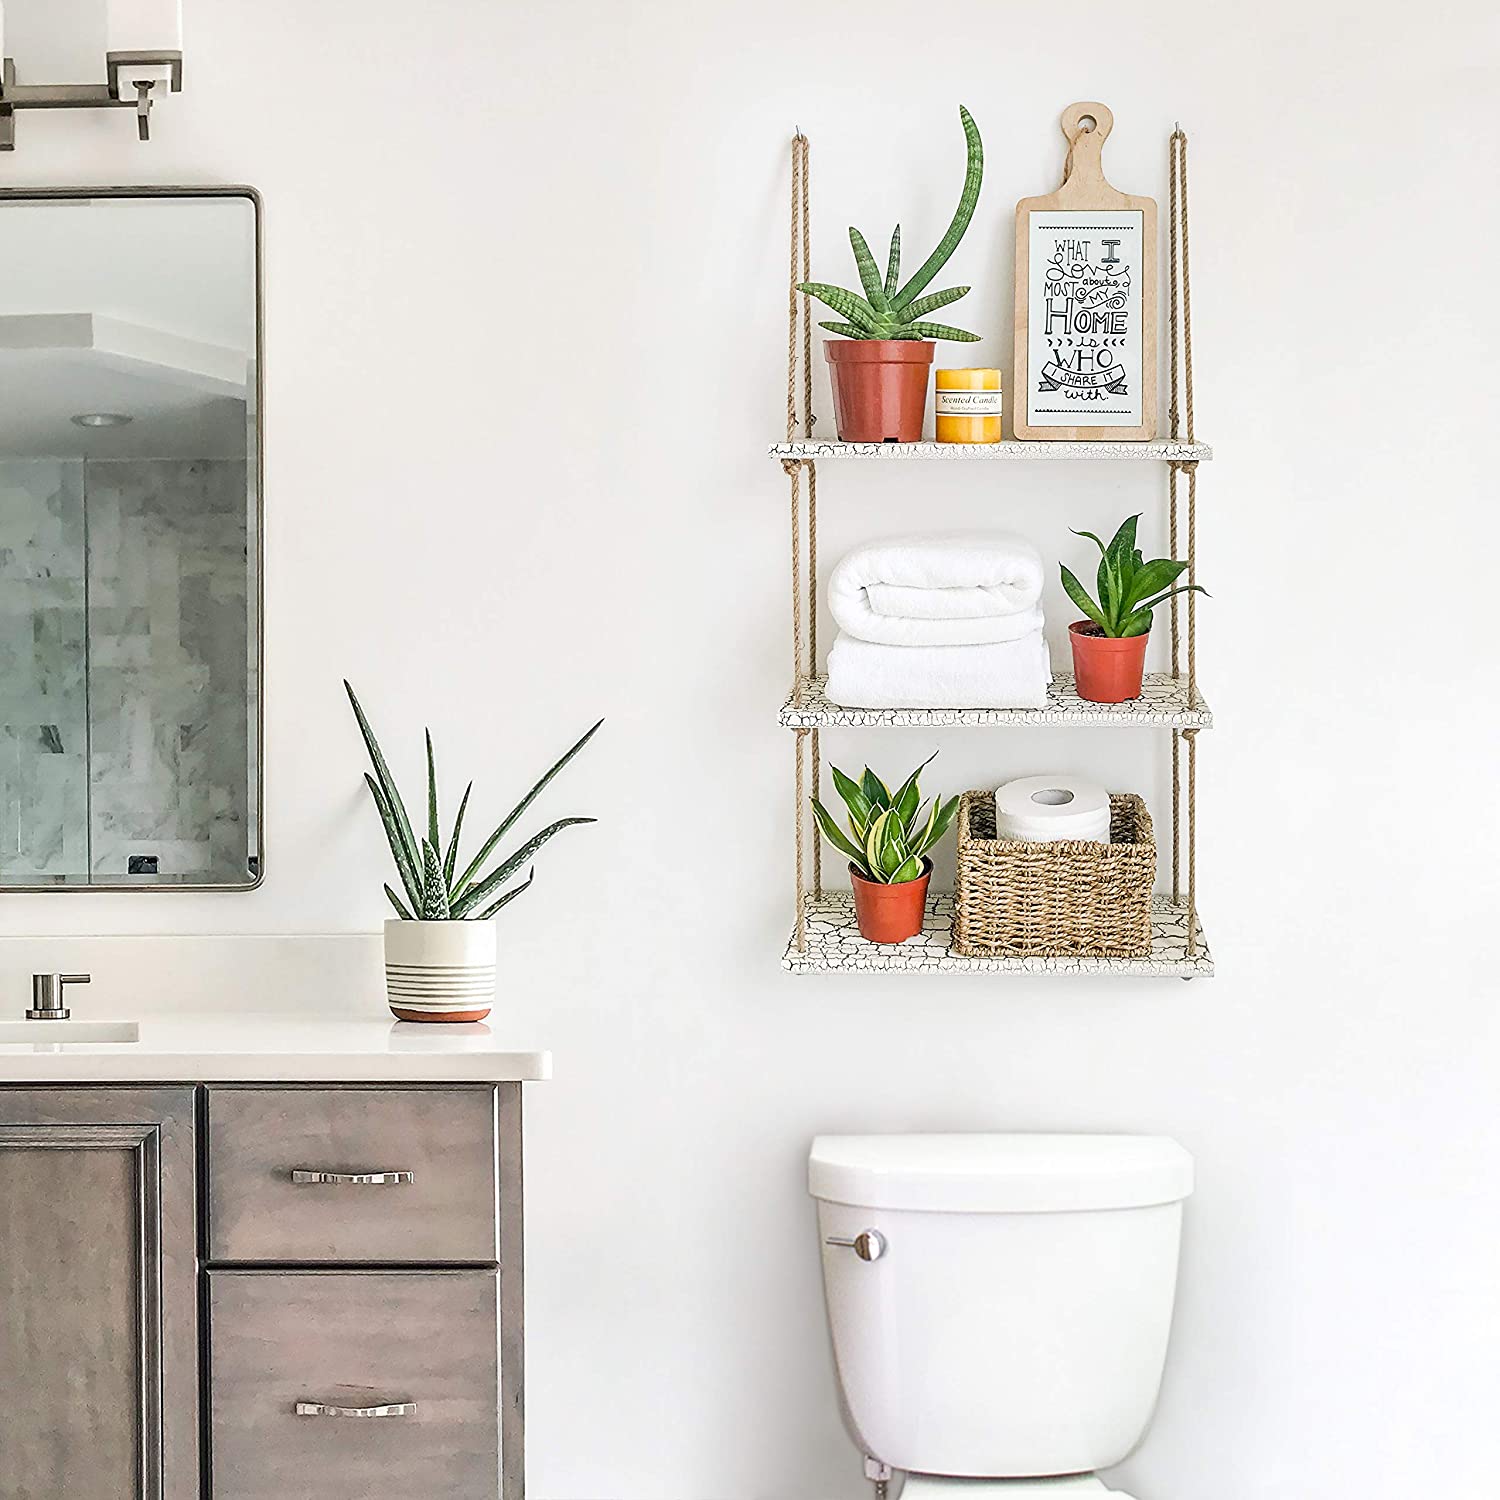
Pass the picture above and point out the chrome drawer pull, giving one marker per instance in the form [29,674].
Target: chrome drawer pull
[361,1179]
[322,1409]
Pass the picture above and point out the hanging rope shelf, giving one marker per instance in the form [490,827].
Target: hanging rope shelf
[825,938]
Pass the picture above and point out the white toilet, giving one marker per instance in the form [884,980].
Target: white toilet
[999,1304]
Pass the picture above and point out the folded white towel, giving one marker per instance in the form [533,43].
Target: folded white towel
[1001,674]
[970,589]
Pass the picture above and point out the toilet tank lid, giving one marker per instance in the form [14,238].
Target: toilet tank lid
[998,1173]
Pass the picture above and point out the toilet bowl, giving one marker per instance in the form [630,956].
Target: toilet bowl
[999,1305]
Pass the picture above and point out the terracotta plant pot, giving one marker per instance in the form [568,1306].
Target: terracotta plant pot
[1106,669]
[890,913]
[439,971]
[879,388]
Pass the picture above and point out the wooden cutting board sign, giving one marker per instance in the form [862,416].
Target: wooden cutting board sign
[1085,300]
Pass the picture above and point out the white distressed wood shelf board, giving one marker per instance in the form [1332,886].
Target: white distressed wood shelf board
[1164,704]
[1157,450]
[834,946]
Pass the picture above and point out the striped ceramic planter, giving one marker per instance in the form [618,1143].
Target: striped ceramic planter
[440,971]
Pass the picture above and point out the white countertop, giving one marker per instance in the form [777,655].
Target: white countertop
[269,1047]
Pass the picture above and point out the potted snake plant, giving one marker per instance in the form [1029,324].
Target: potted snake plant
[886,845]
[1109,647]
[440,946]
[879,367]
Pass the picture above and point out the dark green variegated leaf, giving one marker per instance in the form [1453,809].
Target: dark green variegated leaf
[433,837]
[492,842]
[835,835]
[1152,579]
[435,907]
[893,264]
[477,895]
[854,797]
[1079,595]
[925,330]
[387,782]
[848,306]
[395,901]
[848,330]
[924,305]
[869,272]
[973,177]
[411,876]
[508,897]
[875,789]
[911,870]
[450,860]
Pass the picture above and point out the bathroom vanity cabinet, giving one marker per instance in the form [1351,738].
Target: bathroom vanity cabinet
[256,1290]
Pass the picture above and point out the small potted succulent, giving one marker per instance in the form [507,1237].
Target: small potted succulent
[1109,647]
[886,845]
[880,367]
[440,946]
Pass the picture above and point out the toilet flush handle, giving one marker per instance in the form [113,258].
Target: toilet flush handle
[868,1244]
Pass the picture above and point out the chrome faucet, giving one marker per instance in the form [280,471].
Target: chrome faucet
[47,996]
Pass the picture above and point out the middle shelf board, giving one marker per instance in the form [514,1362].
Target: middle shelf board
[1157,450]
[1164,704]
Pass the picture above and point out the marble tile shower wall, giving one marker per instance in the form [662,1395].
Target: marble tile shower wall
[119,764]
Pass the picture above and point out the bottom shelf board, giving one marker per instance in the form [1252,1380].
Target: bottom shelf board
[834,946]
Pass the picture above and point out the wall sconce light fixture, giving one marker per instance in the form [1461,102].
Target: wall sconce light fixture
[142,61]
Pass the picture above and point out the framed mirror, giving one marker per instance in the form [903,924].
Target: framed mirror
[130,539]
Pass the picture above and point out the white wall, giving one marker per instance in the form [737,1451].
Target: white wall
[524,348]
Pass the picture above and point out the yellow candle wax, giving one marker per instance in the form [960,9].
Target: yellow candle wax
[967,403]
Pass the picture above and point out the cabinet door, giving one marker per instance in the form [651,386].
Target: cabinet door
[98,1301]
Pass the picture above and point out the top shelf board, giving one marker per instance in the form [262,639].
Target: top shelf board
[1158,450]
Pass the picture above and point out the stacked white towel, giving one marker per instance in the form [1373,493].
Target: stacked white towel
[939,622]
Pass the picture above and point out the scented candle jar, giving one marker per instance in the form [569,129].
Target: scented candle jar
[967,404]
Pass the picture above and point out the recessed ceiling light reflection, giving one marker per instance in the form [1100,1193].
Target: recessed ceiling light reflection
[102,419]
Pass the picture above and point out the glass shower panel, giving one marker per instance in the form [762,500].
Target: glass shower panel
[44,821]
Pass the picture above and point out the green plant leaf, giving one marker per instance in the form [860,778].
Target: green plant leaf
[411,877]
[1151,579]
[1182,588]
[1135,624]
[869,272]
[973,177]
[433,836]
[924,305]
[854,309]
[386,780]
[1079,595]
[476,895]
[893,264]
[942,822]
[875,789]
[938,331]
[905,801]
[395,901]
[493,840]
[854,797]
[848,330]
[435,906]
[874,843]
[508,897]
[911,870]
[835,835]
[1090,535]
[450,860]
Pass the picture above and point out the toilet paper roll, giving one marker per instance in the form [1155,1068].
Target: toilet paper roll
[1044,809]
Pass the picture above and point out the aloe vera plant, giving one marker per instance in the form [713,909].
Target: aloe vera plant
[889,310]
[889,833]
[436,890]
[1126,583]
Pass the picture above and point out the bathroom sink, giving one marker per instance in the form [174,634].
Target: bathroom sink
[70,1031]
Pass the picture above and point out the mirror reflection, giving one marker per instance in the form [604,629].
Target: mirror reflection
[129,541]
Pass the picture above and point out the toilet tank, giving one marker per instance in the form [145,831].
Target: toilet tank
[1013,1322]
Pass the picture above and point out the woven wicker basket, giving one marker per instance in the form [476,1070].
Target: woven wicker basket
[1072,899]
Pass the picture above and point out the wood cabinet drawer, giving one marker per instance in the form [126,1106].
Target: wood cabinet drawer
[435,1148]
[418,1345]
